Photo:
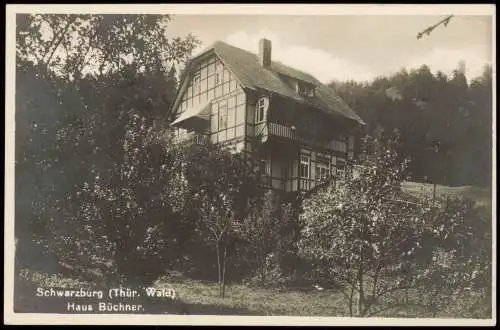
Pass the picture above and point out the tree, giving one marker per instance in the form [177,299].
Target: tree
[139,204]
[73,46]
[86,81]
[223,186]
[376,244]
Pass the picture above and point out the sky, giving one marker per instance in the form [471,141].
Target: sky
[351,47]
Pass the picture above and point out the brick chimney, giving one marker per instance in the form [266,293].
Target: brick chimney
[265,53]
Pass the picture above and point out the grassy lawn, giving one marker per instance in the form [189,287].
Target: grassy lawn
[260,301]
[201,298]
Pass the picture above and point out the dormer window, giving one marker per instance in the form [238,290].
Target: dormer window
[304,89]
[311,92]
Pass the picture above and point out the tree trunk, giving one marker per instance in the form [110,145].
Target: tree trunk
[219,275]
[263,271]
[361,295]
[351,302]
[224,264]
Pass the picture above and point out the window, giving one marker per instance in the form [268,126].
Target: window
[218,78]
[305,172]
[340,146]
[304,89]
[305,164]
[322,168]
[260,110]
[196,84]
[350,142]
[265,167]
[301,89]
[222,116]
[341,167]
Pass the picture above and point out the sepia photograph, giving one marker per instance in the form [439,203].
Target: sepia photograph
[250,164]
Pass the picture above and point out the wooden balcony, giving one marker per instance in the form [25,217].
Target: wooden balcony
[289,133]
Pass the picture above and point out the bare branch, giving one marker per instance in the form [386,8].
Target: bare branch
[428,30]
[60,37]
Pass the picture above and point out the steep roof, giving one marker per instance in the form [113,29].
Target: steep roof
[246,66]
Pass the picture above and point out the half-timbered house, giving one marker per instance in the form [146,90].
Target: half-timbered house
[303,131]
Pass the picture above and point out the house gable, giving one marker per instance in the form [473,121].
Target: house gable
[207,79]
[209,85]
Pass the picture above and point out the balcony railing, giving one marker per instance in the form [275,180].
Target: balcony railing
[289,133]
[191,137]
